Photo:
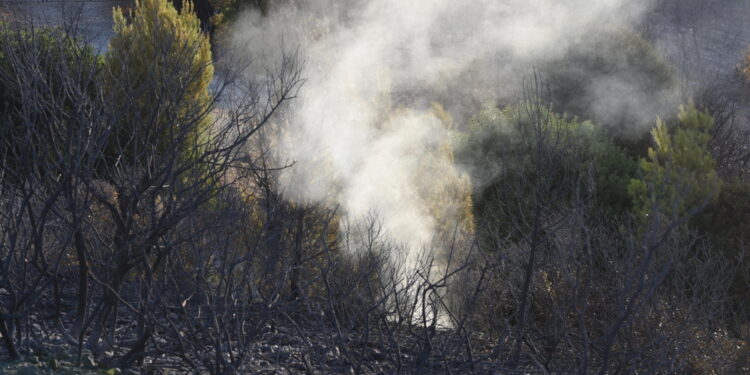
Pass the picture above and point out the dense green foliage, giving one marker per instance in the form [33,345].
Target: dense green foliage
[159,70]
[614,171]
[500,151]
[679,174]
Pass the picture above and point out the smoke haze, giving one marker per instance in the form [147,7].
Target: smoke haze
[364,129]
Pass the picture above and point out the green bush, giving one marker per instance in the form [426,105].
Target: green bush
[614,170]
[495,149]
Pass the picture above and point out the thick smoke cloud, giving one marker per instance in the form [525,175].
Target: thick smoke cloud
[363,127]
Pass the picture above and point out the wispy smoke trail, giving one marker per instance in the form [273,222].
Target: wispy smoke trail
[363,128]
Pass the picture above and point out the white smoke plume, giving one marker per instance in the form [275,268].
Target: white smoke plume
[362,128]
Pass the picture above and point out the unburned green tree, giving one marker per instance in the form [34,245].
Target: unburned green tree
[679,173]
[159,68]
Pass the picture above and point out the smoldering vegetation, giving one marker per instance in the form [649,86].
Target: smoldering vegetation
[375,69]
[373,187]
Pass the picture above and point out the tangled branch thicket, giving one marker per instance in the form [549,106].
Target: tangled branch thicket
[152,234]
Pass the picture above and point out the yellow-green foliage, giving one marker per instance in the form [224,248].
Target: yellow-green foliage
[159,60]
[442,189]
[679,173]
[448,199]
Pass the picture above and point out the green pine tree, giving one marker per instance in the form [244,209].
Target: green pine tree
[679,174]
